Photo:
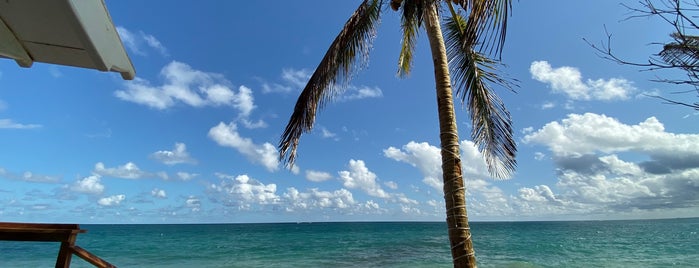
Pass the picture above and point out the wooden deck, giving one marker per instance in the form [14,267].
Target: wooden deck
[42,232]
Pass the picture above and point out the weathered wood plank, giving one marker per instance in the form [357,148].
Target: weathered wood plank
[52,232]
[11,231]
[91,258]
[65,253]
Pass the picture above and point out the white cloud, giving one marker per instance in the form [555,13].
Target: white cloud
[9,124]
[428,160]
[129,40]
[391,185]
[126,171]
[362,92]
[296,78]
[539,155]
[189,86]
[589,133]
[295,169]
[264,154]
[315,198]
[568,80]
[423,156]
[193,203]
[592,178]
[472,161]
[359,177]
[242,191]
[28,176]
[178,155]
[275,88]
[185,176]
[317,176]
[252,125]
[548,105]
[111,201]
[401,198]
[159,193]
[540,193]
[154,43]
[325,133]
[89,185]
[293,80]
[134,41]
[484,198]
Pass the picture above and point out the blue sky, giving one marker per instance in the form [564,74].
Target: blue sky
[193,137]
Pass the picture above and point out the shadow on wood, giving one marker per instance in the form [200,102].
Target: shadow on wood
[46,232]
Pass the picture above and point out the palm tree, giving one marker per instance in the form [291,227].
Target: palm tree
[475,29]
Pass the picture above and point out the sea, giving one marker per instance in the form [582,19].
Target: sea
[628,243]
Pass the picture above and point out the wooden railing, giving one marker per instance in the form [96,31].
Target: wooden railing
[64,233]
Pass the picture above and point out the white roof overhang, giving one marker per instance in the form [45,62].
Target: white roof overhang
[67,32]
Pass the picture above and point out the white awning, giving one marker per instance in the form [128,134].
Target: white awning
[67,32]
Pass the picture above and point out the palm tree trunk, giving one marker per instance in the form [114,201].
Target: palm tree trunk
[454,190]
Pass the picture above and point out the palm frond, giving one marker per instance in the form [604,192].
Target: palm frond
[353,42]
[683,53]
[473,73]
[486,26]
[411,20]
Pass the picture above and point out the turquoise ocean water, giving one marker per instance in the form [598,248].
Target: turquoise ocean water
[637,243]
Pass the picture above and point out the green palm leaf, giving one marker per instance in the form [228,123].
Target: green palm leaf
[473,73]
[411,20]
[486,25]
[353,42]
[684,52]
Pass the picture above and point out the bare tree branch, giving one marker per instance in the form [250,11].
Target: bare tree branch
[682,53]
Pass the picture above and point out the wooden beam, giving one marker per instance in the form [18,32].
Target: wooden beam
[91,258]
[48,232]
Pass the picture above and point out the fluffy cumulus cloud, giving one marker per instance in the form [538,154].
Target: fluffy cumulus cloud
[428,160]
[315,199]
[183,84]
[603,167]
[582,134]
[593,177]
[360,177]
[422,156]
[88,185]
[178,155]
[111,201]
[485,199]
[568,80]
[135,42]
[242,191]
[264,154]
